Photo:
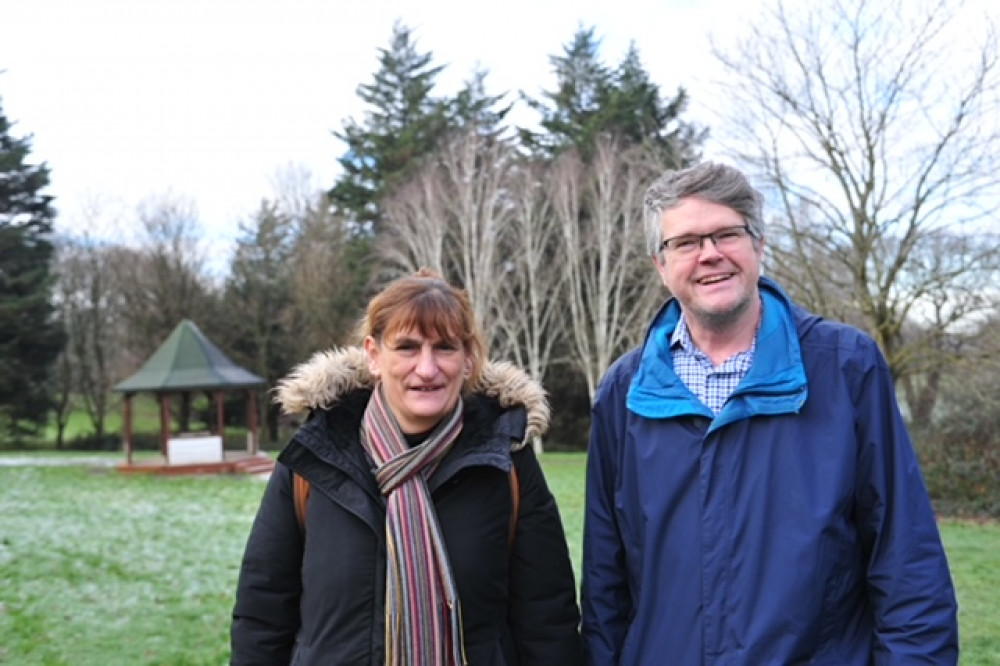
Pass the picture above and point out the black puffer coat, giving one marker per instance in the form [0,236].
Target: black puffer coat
[320,599]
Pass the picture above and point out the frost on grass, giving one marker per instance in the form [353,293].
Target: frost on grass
[115,560]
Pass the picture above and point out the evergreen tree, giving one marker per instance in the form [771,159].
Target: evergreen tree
[473,107]
[571,116]
[404,122]
[636,112]
[30,336]
[593,100]
[258,301]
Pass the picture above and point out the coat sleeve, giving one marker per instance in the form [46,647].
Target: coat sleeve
[909,584]
[266,611]
[606,600]
[543,614]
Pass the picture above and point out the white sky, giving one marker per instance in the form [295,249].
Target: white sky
[209,99]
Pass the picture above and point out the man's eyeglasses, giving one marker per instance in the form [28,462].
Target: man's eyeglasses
[725,237]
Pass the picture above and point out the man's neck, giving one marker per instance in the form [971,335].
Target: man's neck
[722,343]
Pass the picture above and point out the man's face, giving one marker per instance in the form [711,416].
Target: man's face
[715,285]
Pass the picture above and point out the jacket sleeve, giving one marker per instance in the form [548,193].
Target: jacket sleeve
[606,600]
[543,614]
[909,584]
[266,611]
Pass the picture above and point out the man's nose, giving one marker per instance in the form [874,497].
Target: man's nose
[708,249]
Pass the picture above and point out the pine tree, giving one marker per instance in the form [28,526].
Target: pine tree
[404,122]
[636,111]
[571,113]
[593,100]
[30,336]
[258,300]
[474,107]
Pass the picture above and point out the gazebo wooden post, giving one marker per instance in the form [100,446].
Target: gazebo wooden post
[164,422]
[220,415]
[184,418]
[128,428]
[252,419]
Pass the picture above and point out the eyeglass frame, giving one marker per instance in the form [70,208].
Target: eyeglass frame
[665,247]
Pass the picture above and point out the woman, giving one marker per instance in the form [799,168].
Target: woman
[409,554]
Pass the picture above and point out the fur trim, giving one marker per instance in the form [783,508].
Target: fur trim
[328,375]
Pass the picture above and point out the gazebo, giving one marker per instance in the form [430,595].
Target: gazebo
[188,362]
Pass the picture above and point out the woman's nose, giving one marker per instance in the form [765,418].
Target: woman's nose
[426,363]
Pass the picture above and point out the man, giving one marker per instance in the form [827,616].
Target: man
[752,494]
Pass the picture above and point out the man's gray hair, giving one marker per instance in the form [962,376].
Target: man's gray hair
[711,181]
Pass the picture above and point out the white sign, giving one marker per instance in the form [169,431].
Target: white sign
[192,450]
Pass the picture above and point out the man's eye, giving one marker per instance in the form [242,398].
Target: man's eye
[727,235]
[685,243]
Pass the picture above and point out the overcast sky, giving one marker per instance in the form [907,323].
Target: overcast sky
[208,99]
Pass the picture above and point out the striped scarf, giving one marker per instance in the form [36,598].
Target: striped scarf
[423,623]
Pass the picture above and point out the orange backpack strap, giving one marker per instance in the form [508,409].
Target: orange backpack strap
[515,508]
[300,494]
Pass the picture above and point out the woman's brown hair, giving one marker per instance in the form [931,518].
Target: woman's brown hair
[425,302]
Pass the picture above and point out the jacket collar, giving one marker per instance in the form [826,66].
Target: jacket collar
[775,384]
[330,376]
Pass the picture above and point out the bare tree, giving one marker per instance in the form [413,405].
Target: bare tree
[163,278]
[415,226]
[877,158]
[610,287]
[296,190]
[476,169]
[960,447]
[530,302]
[956,292]
[90,307]
[63,403]
[325,285]
[88,298]
[327,297]
[454,216]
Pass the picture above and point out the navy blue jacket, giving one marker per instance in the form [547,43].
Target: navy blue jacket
[793,527]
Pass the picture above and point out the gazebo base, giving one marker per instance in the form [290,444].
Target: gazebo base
[233,462]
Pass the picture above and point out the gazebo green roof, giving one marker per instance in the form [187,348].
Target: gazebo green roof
[187,360]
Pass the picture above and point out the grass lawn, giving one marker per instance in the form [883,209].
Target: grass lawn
[145,419]
[98,568]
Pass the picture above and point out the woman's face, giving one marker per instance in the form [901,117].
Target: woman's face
[421,376]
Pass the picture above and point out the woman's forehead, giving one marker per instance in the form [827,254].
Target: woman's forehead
[428,333]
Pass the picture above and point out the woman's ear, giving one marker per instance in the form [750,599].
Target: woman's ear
[371,350]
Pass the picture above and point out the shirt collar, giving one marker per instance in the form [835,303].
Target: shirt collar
[681,336]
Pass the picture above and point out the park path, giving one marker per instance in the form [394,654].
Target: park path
[28,460]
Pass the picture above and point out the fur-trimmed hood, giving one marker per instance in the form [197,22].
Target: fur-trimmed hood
[329,375]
